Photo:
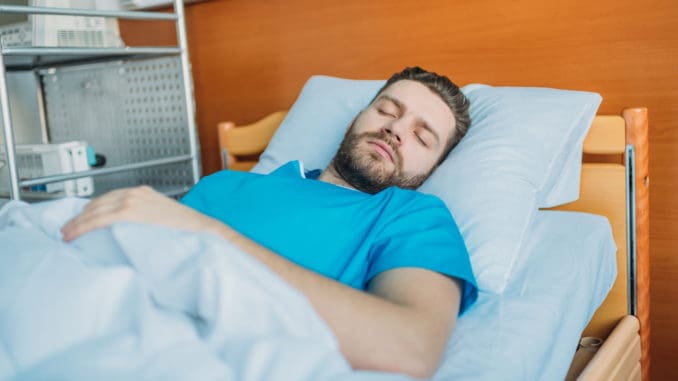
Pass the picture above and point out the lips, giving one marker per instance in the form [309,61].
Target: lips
[383,149]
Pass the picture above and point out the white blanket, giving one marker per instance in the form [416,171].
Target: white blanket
[140,302]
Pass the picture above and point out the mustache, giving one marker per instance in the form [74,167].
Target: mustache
[384,137]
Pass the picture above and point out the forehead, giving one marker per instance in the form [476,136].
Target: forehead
[424,103]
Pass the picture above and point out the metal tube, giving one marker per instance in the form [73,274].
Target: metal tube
[631,229]
[105,171]
[188,88]
[38,51]
[8,133]
[130,15]
[44,137]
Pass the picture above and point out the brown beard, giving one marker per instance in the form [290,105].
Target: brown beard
[362,170]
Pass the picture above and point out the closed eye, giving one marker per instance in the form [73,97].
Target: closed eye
[384,112]
[421,140]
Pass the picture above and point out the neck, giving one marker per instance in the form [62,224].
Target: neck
[330,175]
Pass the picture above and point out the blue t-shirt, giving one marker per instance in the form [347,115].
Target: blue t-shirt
[342,233]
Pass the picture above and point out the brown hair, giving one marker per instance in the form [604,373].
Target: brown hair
[448,91]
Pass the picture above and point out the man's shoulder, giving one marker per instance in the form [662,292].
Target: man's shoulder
[290,169]
[228,175]
[416,198]
[406,203]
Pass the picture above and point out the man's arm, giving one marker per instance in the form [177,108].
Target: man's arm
[401,325]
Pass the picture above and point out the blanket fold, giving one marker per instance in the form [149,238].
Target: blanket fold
[147,302]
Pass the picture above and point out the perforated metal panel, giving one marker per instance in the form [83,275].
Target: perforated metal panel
[129,111]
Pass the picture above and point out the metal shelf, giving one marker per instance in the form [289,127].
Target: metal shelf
[32,58]
[41,196]
[45,51]
[130,15]
[104,171]
[26,58]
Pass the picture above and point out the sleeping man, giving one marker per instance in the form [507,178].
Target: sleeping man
[384,265]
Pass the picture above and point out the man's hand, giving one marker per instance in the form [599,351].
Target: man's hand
[141,204]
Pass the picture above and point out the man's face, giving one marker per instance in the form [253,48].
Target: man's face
[397,140]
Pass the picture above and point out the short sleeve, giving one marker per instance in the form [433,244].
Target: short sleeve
[423,234]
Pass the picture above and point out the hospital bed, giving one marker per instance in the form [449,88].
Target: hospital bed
[146,302]
[614,183]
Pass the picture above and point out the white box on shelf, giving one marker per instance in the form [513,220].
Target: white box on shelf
[63,31]
[37,160]
[19,34]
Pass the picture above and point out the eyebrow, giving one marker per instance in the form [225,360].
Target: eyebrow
[402,106]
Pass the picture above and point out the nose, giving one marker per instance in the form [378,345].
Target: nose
[393,131]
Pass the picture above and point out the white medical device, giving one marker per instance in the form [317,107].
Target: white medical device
[61,31]
[37,160]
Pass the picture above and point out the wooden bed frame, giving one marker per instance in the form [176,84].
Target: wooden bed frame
[622,321]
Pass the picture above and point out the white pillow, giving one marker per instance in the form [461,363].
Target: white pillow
[522,152]
[315,125]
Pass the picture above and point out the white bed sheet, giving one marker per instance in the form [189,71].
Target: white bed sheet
[141,302]
[144,302]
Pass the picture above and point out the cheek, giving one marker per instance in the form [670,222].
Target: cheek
[366,123]
[417,160]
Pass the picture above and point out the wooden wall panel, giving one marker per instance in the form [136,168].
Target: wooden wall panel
[252,57]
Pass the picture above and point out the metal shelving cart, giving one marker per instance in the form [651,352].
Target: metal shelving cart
[135,104]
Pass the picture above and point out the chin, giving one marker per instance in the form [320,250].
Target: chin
[375,165]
